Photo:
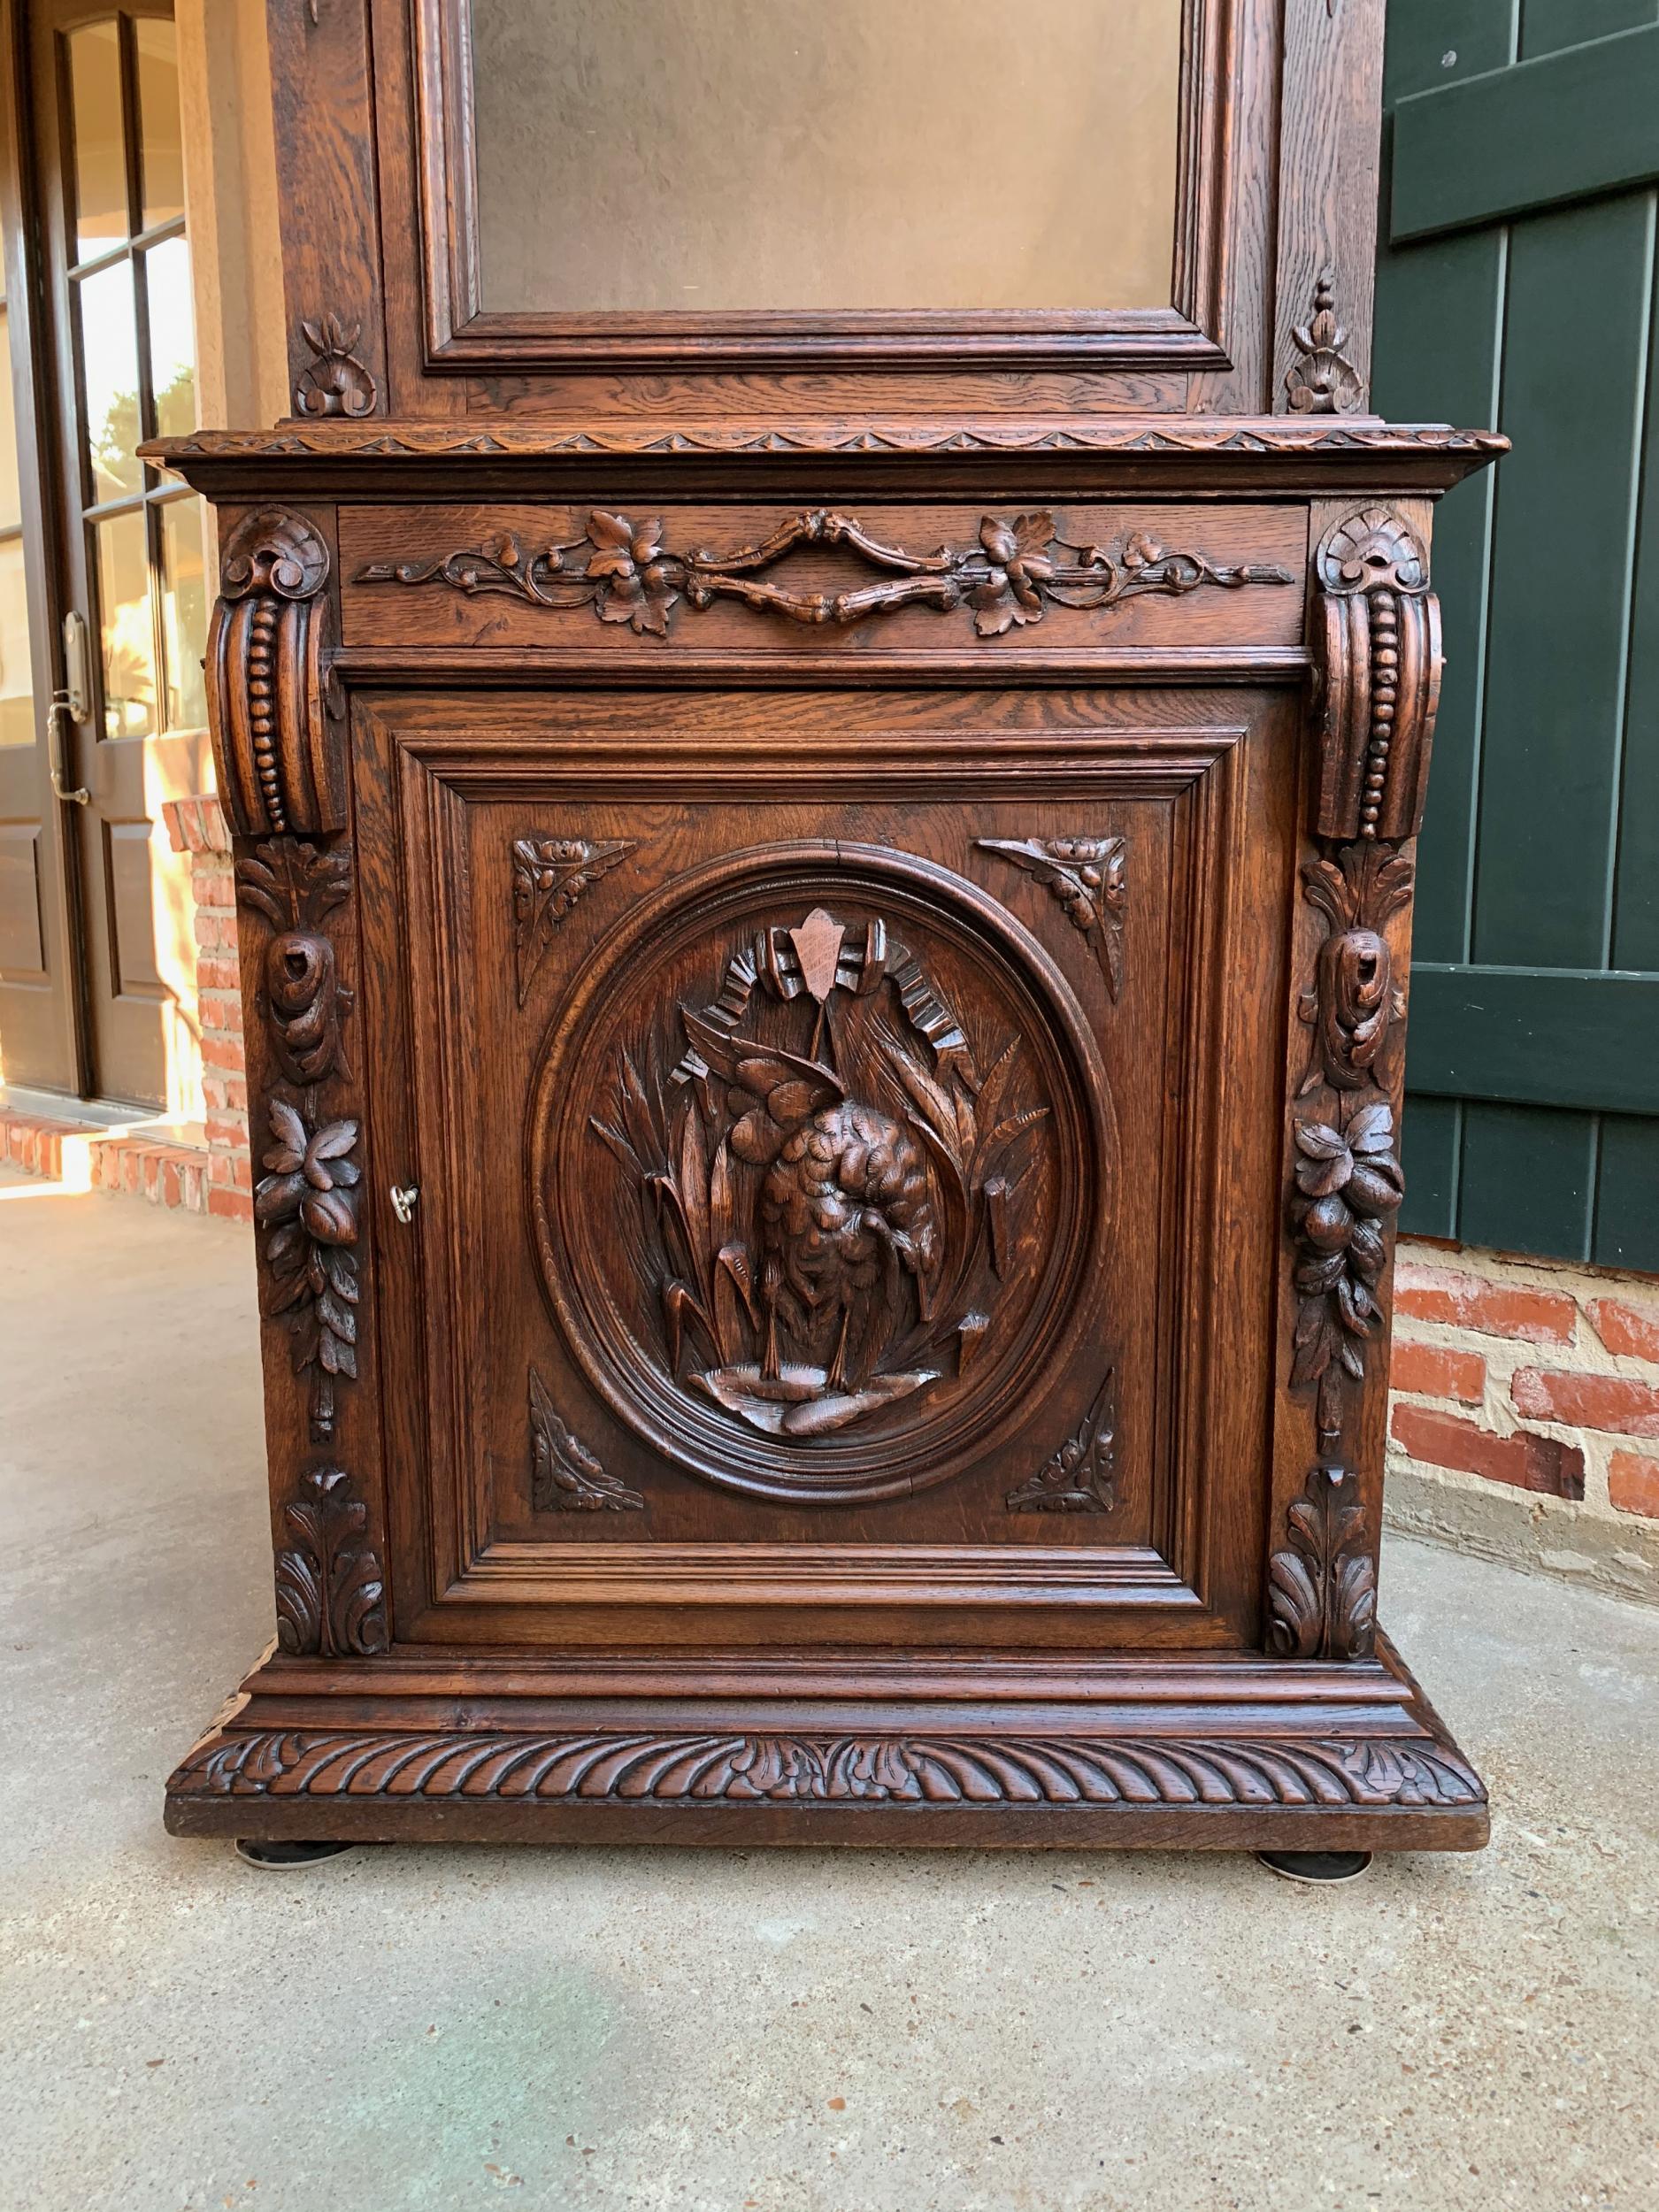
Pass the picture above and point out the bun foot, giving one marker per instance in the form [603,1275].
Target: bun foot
[1316,1866]
[280,1857]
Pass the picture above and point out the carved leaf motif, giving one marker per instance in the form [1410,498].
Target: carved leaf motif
[306,1205]
[1079,1477]
[1322,1586]
[1088,878]
[549,874]
[565,1477]
[1324,381]
[331,1587]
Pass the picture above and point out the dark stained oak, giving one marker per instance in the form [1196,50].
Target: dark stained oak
[825,938]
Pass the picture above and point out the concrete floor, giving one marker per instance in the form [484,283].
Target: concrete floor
[761,2031]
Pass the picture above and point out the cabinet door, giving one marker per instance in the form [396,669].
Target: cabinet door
[846,1127]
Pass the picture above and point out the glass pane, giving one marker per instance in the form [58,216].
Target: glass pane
[129,641]
[790,154]
[183,612]
[160,143]
[17,697]
[109,355]
[100,147]
[11,501]
[172,338]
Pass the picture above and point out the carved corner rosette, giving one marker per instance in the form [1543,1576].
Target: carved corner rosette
[549,874]
[564,1475]
[621,570]
[1322,380]
[1088,877]
[279,739]
[1377,658]
[1080,1477]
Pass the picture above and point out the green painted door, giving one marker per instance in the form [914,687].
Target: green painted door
[1516,286]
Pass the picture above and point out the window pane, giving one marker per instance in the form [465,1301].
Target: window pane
[161,150]
[17,697]
[172,338]
[183,612]
[129,641]
[10,504]
[109,352]
[100,156]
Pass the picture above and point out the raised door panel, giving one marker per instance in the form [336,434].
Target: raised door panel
[845,1133]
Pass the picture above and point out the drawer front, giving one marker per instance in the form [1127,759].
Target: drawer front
[846,1130]
[965,582]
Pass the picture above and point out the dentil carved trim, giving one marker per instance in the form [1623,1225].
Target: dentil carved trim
[1324,380]
[622,571]
[1377,655]
[1088,876]
[1079,1477]
[548,875]
[601,1768]
[331,1587]
[565,1478]
[278,740]
[336,381]
[1322,1586]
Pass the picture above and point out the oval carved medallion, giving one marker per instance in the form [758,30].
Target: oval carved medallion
[819,1150]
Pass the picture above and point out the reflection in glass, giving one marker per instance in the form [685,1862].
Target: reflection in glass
[183,612]
[781,154]
[109,347]
[161,147]
[127,636]
[17,697]
[100,158]
[172,338]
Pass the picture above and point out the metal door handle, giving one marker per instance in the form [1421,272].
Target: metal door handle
[57,714]
[403,1198]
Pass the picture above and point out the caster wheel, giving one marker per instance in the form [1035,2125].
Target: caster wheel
[1316,1866]
[276,1858]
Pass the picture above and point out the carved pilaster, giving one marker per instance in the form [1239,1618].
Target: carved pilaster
[278,742]
[1378,660]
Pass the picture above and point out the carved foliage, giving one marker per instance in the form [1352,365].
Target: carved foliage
[548,875]
[565,1478]
[277,738]
[336,381]
[621,569]
[1354,1005]
[294,886]
[1323,381]
[306,1202]
[1377,643]
[829,1220]
[743,1769]
[1079,1477]
[331,1587]
[1322,1587]
[1088,875]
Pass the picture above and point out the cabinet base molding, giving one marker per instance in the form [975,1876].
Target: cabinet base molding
[1229,1754]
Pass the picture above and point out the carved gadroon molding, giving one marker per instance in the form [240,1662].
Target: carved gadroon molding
[278,739]
[336,380]
[330,1583]
[601,1767]
[1377,652]
[621,570]
[1088,876]
[1322,380]
[549,874]
[1079,1477]
[1321,1585]
[830,1221]
[564,1475]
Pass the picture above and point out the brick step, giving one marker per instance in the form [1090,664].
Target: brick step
[141,1162]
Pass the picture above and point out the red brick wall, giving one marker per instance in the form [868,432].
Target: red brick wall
[197,827]
[1532,1383]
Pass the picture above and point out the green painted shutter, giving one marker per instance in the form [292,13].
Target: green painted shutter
[1516,286]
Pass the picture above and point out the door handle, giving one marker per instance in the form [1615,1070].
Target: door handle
[57,714]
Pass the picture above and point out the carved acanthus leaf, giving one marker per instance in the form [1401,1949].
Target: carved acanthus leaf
[564,1475]
[1323,381]
[548,875]
[331,1587]
[1079,1477]
[1321,1585]
[622,571]
[1088,875]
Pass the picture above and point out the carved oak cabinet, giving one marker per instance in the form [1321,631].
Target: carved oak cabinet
[825,773]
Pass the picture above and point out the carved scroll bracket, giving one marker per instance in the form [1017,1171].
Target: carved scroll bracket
[279,741]
[1377,655]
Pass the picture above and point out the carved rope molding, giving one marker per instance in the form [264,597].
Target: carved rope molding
[621,570]
[740,1768]
[1378,675]
[278,739]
